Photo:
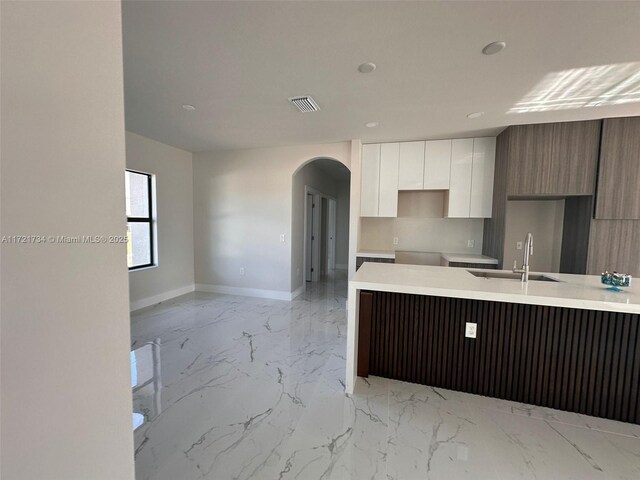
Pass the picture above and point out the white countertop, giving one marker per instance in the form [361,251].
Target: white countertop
[376,253]
[450,257]
[573,291]
[468,258]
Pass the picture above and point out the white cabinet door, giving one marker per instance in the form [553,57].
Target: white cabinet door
[370,185]
[437,165]
[484,158]
[411,166]
[460,184]
[388,196]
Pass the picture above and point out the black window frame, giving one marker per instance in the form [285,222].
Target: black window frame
[149,219]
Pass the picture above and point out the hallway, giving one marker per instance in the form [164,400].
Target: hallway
[253,388]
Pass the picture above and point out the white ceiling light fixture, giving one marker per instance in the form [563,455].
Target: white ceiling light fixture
[367,67]
[305,103]
[493,48]
[188,108]
[475,115]
[371,124]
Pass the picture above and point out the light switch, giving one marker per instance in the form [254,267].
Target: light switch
[518,245]
[470,330]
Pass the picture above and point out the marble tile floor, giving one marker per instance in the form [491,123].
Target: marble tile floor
[247,388]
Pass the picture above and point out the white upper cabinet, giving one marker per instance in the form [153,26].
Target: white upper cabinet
[459,197]
[411,166]
[388,200]
[463,167]
[471,183]
[370,186]
[379,187]
[484,157]
[437,165]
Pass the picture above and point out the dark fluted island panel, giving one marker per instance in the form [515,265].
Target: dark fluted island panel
[583,361]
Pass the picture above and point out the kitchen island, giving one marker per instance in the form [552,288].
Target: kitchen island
[565,343]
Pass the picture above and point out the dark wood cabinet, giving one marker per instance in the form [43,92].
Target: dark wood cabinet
[529,155]
[553,158]
[575,234]
[561,160]
[494,227]
[614,246]
[619,172]
[545,161]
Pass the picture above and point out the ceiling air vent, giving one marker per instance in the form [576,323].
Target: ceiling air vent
[305,103]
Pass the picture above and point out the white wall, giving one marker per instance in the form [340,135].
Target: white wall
[242,204]
[173,169]
[543,218]
[342,225]
[313,176]
[420,227]
[66,392]
[355,223]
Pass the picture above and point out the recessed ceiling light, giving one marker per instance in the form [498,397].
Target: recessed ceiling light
[475,115]
[371,124]
[189,108]
[493,48]
[367,67]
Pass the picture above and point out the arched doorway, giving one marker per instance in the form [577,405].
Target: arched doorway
[320,220]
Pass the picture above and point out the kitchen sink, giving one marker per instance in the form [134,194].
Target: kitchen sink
[536,277]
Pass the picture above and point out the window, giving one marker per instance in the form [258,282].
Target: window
[140,222]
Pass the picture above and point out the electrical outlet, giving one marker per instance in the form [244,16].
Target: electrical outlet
[471,243]
[518,245]
[470,330]
[395,240]
[241,271]
[282,237]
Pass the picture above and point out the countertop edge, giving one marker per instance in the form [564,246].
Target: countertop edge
[468,258]
[450,257]
[376,254]
[499,297]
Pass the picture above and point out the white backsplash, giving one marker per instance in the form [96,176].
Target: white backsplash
[420,227]
[422,234]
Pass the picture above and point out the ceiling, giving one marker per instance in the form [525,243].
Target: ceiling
[332,168]
[239,62]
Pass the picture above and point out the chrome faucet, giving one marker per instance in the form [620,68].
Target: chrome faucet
[528,250]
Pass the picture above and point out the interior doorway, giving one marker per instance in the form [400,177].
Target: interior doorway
[320,234]
[309,230]
[321,195]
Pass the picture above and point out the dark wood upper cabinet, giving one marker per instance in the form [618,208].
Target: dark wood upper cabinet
[553,158]
[619,172]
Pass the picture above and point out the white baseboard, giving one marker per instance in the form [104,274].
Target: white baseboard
[298,291]
[341,266]
[245,292]
[161,297]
